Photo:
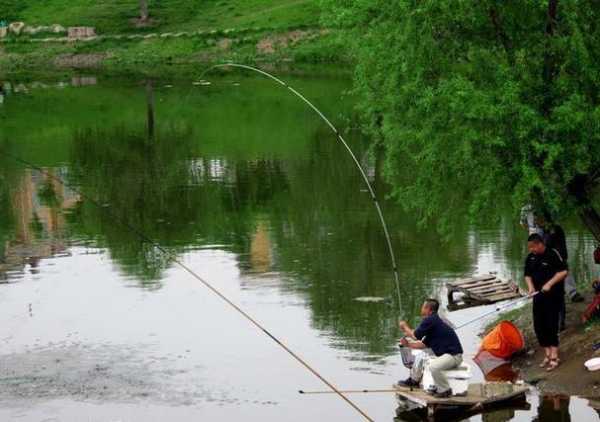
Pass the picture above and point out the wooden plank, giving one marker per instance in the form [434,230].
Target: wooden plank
[499,297]
[490,287]
[479,283]
[485,292]
[467,293]
[471,280]
[477,394]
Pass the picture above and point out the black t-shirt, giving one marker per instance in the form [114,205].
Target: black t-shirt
[438,336]
[541,268]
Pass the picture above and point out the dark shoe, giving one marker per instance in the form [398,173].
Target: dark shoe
[577,298]
[443,394]
[431,391]
[409,382]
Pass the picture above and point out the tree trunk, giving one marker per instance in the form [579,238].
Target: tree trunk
[502,35]
[578,189]
[144,10]
[550,68]
[150,109]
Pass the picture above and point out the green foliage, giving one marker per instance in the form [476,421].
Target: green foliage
[475,101]
[10,10]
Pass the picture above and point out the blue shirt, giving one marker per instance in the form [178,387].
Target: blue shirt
[438,336]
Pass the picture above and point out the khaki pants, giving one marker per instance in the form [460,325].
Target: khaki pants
[440,364]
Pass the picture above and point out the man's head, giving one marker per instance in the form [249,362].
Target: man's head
[430,307]
[535,244]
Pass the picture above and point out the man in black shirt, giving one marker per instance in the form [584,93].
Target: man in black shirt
[545,271]
[435,334]
[554,238]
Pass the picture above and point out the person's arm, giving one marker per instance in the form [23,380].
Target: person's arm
[413,344]
[558,277]
[409,332]
[529,282]
[528,279]
[561,272]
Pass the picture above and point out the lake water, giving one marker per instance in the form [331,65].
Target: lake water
[248,188]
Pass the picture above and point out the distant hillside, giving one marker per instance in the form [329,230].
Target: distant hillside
[122,16]
[175,32]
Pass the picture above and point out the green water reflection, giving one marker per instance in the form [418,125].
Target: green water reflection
[238,165]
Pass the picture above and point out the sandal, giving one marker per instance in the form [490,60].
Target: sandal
[554,363]
[545,362]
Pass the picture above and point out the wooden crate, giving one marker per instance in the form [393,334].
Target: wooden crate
[480,290]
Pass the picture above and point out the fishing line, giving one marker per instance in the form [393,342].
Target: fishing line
[339,136]
[171,257]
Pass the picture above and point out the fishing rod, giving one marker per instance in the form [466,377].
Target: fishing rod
[339,136]
[383,390]
[208,285]
[498,308]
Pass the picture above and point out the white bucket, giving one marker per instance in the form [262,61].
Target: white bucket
[593,364]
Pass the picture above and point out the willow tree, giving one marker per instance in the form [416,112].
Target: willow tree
[481,102]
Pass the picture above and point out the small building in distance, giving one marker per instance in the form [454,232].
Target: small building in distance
[79,32]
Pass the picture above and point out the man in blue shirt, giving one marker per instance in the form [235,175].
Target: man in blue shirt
[435,334]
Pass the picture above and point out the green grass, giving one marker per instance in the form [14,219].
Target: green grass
[244,23]
[115,16]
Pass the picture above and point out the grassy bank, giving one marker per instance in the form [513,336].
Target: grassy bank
[119,16]
[571,377]
[178,32]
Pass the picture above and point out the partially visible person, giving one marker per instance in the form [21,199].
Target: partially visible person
[593,309]
[545,272]
[554,237]
[437,335]
[528,220]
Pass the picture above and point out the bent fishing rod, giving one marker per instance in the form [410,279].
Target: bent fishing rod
[339,136]
[171,257]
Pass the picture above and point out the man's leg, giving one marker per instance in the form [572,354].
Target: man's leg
[440,364]
[571,289]
[562,314]
[416,372]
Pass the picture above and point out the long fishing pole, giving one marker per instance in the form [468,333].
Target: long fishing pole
[367,391]
[497,308]
[174,259]
[347,147]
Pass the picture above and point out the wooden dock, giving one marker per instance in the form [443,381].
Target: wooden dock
[479,397]
[480,290]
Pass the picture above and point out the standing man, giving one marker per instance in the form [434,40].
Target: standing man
[545,272]
[435,334]
[554,237]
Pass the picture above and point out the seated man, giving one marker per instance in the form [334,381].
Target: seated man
[435,334]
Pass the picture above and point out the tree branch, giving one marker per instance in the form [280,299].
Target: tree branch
[549,70]
[502,36]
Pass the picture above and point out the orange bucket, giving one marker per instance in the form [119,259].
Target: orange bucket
[504,340]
